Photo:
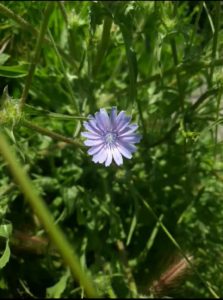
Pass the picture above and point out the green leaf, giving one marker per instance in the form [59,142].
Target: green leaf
[56,290]
[5,232]
[132,228]
[3,58]
[5,97]
[33,111]
[14,71]
[5,256]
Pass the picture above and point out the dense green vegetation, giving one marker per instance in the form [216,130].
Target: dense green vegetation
[151,227]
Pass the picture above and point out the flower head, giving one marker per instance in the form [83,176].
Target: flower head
[110,136]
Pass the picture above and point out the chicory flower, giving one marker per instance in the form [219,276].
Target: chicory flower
[110,136]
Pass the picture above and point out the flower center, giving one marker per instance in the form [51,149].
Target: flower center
[110,137]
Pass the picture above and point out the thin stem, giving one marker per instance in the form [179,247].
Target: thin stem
[53,135]
[103,45]
[209,17]
[200,100]
[132,69]
[90,45]
[32,110]
[63,11]
[217,120]
[196,25]
[132,64]
[19,20]
[44,215]
[43,28]
[166,136]
[179,83]
[127,269]
[215,37]
[69,87]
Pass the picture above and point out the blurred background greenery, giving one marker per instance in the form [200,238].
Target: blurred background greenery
[161,61]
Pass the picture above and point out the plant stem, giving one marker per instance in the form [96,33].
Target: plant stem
[19,20]
[179,84]
[209,17]
[63,11]
[39,112]
[217,120]
[132,64]
[69,87]
[103,45]
[196,25]
[127,269]
[43,29]
[193,108]
[44,215]
[53,135]
[215,37]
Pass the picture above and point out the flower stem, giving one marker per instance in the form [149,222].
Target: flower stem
[43,29]
[44,215]
[53,135]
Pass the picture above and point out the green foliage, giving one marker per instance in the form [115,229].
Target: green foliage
[5,232]
[161,61]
